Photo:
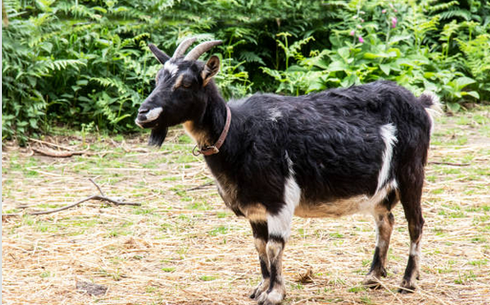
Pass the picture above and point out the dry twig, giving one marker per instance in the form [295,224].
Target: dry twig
[200,186]
[97,186]
[449,163]
[101,197]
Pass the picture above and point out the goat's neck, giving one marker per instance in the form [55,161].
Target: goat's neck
[207,128]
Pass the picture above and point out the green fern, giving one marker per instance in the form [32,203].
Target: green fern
[450,14]
[61,64]
[75,62]
[442,6]
[111,82]
[477,57]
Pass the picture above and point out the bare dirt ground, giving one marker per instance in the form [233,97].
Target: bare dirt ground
[182,246]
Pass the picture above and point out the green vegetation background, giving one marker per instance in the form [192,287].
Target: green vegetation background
[86,64]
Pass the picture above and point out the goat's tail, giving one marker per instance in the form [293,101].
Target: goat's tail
[432,105]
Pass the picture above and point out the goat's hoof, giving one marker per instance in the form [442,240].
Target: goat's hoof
[254,294]
[407,287]
[371,281]
[272,297]
[259,290]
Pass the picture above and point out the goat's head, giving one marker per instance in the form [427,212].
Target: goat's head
[180,93]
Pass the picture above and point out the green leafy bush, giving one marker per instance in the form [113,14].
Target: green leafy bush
[86,62]
[71,64]
[379,40]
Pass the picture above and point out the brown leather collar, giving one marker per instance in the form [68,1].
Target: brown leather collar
[214,149]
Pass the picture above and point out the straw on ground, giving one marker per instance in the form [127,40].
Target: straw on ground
[182,246]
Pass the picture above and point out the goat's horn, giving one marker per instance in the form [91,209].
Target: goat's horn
[184,45]
[201,49]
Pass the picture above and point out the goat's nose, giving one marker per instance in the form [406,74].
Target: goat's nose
[143,110]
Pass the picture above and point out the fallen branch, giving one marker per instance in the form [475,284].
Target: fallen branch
[50,144]
[58,154]
[101,197]
[449,163]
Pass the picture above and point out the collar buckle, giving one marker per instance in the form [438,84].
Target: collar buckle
[206,151]
[214,149]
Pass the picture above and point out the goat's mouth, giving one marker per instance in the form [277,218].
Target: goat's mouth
[145,123]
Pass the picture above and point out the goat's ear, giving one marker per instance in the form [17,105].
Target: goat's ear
[210,69]
[160,55]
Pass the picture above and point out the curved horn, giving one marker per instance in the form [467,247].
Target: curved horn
[184,45]
[160,55]
[201,48]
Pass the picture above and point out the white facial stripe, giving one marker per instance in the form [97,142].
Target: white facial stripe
[171,68]
[153,114]
[388,132]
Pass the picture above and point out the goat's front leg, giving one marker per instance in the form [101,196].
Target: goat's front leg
[261,234]
[278,227]
[276,291]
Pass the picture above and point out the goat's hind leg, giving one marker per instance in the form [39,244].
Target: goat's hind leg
[410,196]
[384,226]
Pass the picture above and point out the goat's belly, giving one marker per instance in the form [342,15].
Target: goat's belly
[338,208]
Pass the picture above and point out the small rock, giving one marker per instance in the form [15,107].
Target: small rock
[91,288]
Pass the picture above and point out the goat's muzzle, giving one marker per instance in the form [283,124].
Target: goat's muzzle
[147,118]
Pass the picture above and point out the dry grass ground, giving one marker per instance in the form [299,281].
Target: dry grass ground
[182,246]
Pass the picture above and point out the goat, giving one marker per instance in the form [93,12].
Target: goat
[327,154]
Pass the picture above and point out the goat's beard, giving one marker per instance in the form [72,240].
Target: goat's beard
[157,136]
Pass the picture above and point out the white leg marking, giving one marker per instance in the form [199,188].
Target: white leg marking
[280,224]
[388,132]
[414,251]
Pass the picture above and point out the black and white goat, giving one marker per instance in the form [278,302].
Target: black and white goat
[327,154]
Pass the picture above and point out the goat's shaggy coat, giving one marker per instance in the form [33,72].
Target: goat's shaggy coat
[333,153]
